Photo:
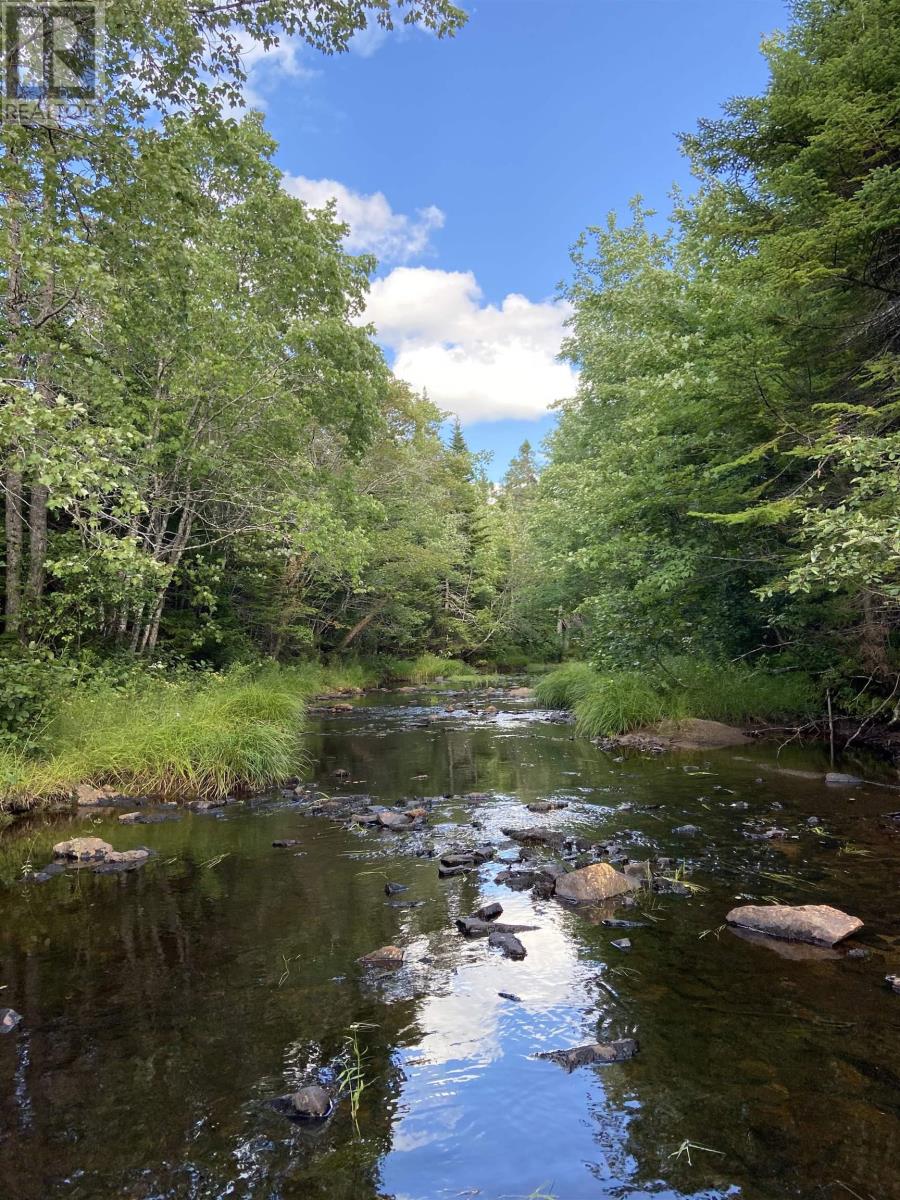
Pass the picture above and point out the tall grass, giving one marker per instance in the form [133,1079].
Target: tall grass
[206,735]
[620,701]
[427,667]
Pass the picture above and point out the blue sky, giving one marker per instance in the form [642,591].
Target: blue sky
[469,167]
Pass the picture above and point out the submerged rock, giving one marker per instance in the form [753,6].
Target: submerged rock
[819,924]
[838,777]
[686,830]
[546,806]
[151,818]
[508,943]
[387,956]
[452,872]
[286,843]
[45,874]
[9,1019]
[622,944]
[892,981]
[394,889]
[592,884]
[595,1052]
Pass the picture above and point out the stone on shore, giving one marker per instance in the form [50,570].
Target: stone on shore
[594,883]
[819,924]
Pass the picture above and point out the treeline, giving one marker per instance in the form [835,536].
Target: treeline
[726,485]
[205,457]
[207,461]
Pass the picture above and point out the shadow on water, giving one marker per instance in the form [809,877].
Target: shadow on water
[165,1007]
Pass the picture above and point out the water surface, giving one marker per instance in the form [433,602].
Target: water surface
[165,1007]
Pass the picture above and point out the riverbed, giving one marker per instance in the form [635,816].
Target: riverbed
[164,1008]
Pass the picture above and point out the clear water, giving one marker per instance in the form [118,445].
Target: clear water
[163,1008]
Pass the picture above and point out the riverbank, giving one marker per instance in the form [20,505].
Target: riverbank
[189,735]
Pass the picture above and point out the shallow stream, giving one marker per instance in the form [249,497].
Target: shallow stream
[163,1008]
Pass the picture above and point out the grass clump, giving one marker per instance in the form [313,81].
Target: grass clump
[614,702]
[427,667]
[205,735]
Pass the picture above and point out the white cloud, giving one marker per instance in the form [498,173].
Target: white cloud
[374,226]
[479,361]
[266,68]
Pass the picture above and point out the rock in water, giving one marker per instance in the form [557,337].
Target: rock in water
[622,944]
[839,778]
[311,1103]
[394,820]
[595,1052]
[892,981]
[393,889]
[387,956]
[476,927]
[9,1019]
[508,943]
[592,884]
[489,912]
[819,924]
[84,849]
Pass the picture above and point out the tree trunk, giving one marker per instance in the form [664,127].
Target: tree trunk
[13,550]
[37,548]
[361,625]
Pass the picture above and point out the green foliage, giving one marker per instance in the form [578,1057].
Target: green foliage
[609,703]
[725,483]
[428,667]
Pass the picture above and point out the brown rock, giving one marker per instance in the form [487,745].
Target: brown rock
[591,884]
[89,796]
[387,956]
[84,849]
[819,924]
[394,820]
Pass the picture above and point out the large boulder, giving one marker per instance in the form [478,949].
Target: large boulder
[83,849]
[592,884]
[94,852]
[819,924]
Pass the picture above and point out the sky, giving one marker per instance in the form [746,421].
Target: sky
[469,166]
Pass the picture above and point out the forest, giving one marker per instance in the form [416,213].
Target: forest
[219,500]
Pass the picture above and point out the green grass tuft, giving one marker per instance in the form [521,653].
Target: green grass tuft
[617,702]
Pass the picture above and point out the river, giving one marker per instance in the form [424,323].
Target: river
[164,1008]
